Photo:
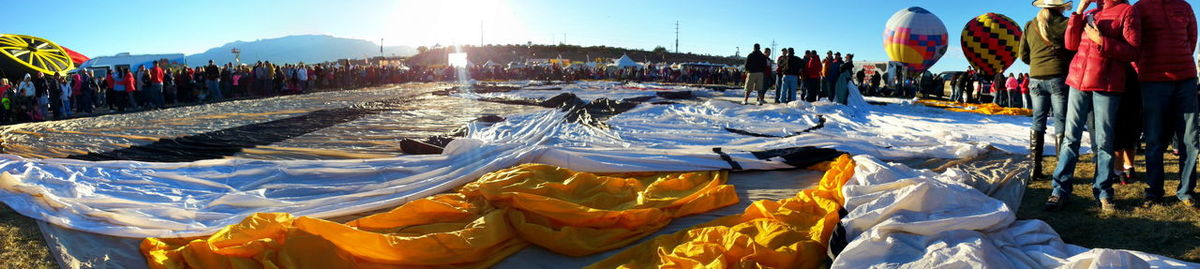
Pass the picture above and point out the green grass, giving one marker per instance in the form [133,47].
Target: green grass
[1170,229]
[21,244]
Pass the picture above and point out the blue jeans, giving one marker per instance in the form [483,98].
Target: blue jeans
[827,85]
[214,90]
[955,93]
[788,89]
[1165,107]
[155,94]
[1103,107]
[132,101]
[1049,100]
[779,89]
[811,87]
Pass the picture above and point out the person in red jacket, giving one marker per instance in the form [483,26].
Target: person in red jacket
[1167,72]
[130,82]
[812,76]
[1103,39]
[155,89]
[1028,99]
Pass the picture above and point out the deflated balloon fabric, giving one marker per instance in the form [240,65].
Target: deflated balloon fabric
[790,233]
[569,212]
[989,108]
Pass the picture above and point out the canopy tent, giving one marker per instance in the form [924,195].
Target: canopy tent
[625,62]
[582,65]
[490,63]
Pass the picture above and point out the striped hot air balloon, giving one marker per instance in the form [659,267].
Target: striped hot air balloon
[915,38]
[990,43]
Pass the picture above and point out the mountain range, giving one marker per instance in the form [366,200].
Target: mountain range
[298,48]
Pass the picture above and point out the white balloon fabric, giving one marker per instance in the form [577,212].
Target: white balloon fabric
[904,218]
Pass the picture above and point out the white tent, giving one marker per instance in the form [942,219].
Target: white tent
[490,63]
[587,65]
[625,62]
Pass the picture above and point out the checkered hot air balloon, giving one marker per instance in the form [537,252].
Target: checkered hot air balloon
[915,38]
[990,43]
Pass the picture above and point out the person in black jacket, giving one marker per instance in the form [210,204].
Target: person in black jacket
[212,75]
[756,63]
[790,67]
[42,86]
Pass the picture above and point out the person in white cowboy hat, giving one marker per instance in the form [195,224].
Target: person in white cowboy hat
[1052,4]
[1043,50]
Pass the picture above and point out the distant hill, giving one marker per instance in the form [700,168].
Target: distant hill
[298,48]
[504,54]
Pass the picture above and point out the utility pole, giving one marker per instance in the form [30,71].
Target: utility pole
[677,36]
[773,46]
[381,47]
[481,33]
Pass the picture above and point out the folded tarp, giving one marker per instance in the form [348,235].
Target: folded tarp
[570,212]
[904,218]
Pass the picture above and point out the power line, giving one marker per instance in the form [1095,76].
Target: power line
[676,36]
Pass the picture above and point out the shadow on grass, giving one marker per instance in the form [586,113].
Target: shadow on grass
[1169,229]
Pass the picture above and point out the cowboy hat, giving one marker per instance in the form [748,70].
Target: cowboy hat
[1052,3]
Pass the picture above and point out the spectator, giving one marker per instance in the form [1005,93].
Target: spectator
[1097,78]
[1167,75]
[212,76]
[1014,91]
[756,64]
[155,90]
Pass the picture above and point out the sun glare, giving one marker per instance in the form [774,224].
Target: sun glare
[456,22]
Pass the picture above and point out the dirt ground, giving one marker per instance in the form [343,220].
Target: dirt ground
[1170,229]
[21,244]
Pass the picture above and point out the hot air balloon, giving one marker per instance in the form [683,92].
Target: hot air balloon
[915,38]
[990,43]
[21,54]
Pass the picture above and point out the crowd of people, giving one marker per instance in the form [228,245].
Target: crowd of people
[39,97]
[793,77]
[680,73]
[1005,91]
[1127,74]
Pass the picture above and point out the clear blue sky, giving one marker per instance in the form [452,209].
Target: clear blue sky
[98,28]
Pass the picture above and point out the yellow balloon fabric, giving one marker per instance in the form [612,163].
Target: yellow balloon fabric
[791,233]
[989,108]
[569,212]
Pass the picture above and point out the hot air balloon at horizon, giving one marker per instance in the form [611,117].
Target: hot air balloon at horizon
[916,39]
[990,43]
